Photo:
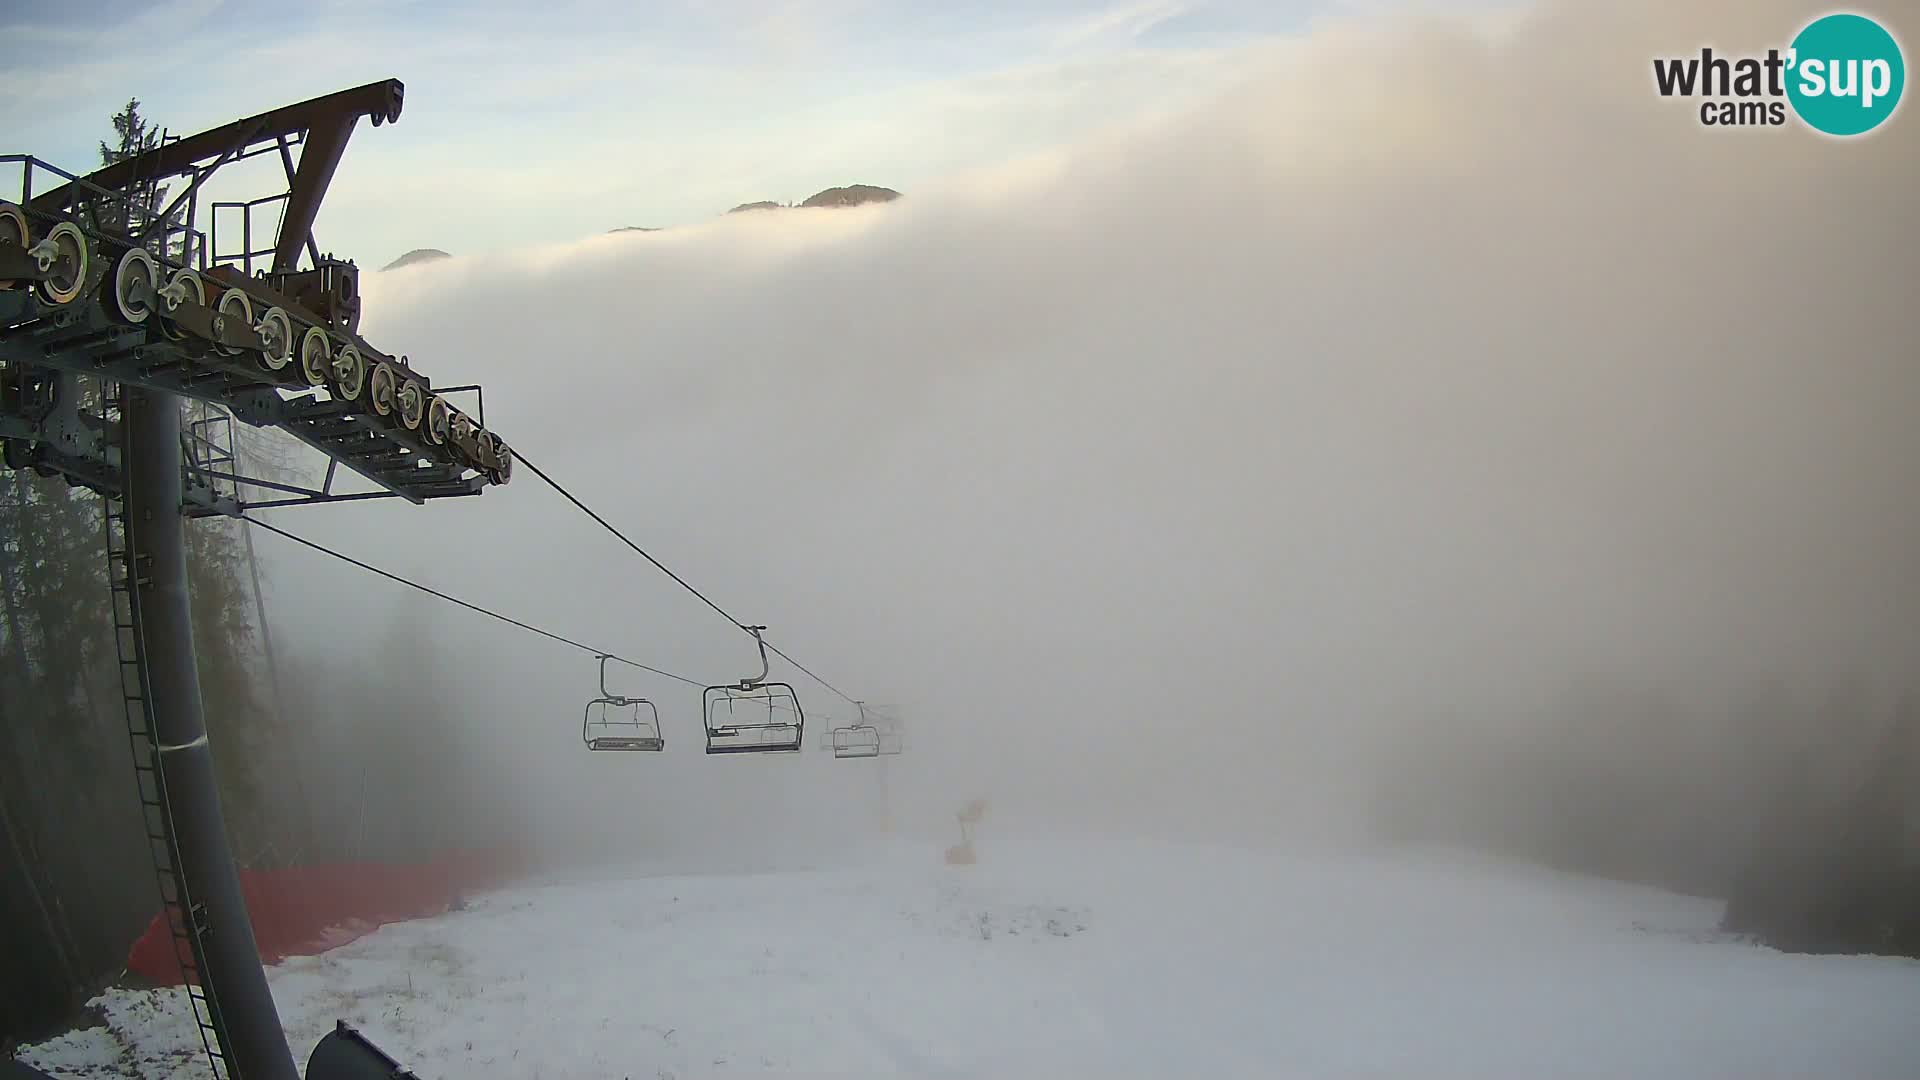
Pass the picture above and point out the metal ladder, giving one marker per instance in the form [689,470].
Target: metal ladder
[185,919]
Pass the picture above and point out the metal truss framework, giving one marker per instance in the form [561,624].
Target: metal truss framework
[114,308]
[94,281]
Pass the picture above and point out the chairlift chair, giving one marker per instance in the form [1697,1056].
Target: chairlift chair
[753,716]
[856,740]
[614,722]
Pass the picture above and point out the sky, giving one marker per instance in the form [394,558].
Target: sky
[594,114]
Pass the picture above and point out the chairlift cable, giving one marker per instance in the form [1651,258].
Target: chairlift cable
[775,649]
[429,590]
[662,567]
[605,524]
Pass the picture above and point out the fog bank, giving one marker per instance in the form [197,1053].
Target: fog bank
[1193,473]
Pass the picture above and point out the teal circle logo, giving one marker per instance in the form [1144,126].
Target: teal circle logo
[1845,74]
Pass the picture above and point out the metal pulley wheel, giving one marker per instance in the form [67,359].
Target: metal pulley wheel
[412,401]
[184,287]
[463,433]
[136,286]
[382,385]
[439,420]
[276,328]
[65,258]
[14,229]
[503,457]
[235,307]
[349,373]
[316,353]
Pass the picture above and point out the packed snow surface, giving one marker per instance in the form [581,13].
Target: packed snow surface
[1065,956]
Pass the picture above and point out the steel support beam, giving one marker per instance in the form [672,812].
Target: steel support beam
[381,100]
[246,1020]
[319,156]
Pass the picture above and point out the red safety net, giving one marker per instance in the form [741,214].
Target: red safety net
[306,910]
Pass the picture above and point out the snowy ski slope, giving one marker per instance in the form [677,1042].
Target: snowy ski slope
[1073,956]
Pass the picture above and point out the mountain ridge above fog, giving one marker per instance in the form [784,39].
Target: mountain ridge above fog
[830,198]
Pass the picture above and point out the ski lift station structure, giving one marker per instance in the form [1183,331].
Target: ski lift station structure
[112,311]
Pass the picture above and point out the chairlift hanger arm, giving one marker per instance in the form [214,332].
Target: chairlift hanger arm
[612,698]
[604,692]
[765,669]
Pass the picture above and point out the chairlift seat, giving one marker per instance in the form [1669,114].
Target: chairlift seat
[782,747]
[627,742]
[778,738]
